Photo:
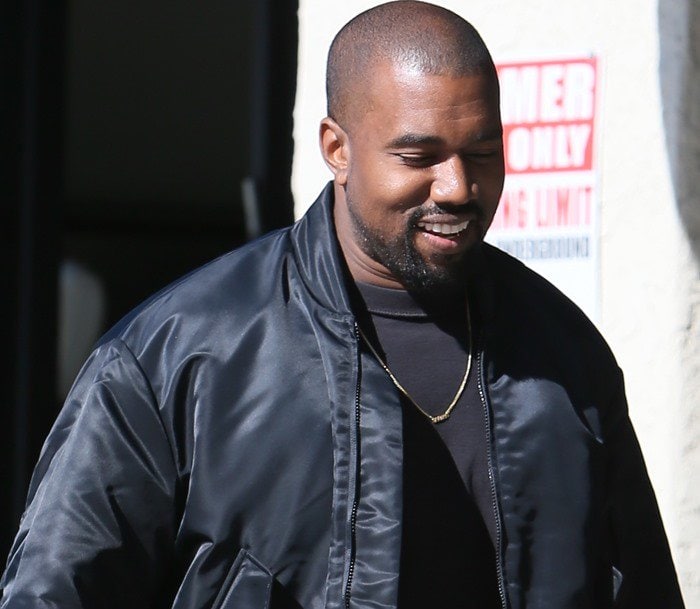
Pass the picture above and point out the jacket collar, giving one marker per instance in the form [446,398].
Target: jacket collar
[318,255]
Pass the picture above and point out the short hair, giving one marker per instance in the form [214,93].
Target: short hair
[417,35]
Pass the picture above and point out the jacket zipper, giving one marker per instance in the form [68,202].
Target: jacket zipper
[492,480]
[354,447]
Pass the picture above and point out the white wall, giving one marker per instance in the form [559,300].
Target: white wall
[650,286]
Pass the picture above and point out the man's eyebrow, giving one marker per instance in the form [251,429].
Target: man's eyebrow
[492,134]
[418,139]
[415,139]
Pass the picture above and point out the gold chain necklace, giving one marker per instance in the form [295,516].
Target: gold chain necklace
[445,415]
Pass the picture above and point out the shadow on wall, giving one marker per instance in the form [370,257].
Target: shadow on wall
[679,76]
[679,80]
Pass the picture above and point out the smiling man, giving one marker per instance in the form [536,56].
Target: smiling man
[418,174]
[415,146]
[372,408]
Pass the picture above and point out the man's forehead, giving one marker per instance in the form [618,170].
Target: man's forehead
[408,107]
[390,82]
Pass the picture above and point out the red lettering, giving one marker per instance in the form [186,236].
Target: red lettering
[512,210]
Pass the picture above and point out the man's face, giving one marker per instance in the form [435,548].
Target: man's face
[423,178]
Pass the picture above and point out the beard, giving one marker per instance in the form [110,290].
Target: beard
[423,278]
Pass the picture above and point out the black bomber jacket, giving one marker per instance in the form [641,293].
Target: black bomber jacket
[228,445]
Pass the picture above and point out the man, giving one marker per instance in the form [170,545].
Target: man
[369,409]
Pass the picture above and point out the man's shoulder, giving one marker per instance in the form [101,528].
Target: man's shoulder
[526,303]
[511,277]
[237,282]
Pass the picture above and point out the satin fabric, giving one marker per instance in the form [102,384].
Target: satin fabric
[229,445]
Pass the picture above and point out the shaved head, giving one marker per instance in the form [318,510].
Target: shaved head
[411,35]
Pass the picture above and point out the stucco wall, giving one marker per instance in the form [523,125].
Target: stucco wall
[679,80]
[650,215]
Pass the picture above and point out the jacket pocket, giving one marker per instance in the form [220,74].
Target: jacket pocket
[247,585]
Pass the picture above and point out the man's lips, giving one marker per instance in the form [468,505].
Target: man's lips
[444,229]
[449,224]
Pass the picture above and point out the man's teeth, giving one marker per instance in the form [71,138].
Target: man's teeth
[443,229]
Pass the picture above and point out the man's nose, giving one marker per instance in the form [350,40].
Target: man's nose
[452,182]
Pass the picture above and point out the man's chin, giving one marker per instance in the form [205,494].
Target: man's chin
[444,276]
[430,280]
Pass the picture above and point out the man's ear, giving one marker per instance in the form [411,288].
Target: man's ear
[335,149]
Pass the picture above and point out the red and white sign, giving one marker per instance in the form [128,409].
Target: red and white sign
[548,214]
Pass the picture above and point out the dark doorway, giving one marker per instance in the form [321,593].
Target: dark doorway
[131,132]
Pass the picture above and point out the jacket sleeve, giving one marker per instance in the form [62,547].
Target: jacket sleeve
[644,575]
[99,525]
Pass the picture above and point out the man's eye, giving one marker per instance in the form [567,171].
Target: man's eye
[417,160]
[483,154]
